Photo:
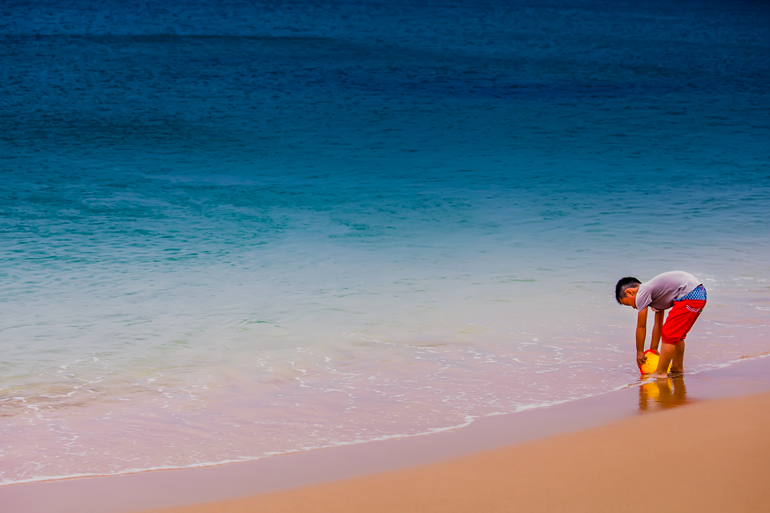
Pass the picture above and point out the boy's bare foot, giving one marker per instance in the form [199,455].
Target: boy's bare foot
[659,375]
[676,370]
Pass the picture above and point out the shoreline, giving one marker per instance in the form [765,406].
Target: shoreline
[359,442]
[712,456]
[274,475]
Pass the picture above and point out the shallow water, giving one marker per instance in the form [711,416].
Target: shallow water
[230,231]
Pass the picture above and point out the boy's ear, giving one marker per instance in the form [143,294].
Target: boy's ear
[631,292]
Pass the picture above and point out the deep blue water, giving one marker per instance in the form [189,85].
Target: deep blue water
[226,223]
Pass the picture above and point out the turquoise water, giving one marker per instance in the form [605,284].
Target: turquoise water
[234,230]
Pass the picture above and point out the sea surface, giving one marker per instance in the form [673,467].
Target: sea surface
[235,229]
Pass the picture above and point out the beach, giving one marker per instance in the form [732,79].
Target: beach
[252,246]
[594,454]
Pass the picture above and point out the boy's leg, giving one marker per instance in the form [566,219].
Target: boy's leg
[667,353]
[678,363]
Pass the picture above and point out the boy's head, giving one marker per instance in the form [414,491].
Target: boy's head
[625,291]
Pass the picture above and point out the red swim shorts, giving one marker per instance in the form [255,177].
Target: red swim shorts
[680,319]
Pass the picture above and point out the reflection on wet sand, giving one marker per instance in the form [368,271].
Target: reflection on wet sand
[661,394]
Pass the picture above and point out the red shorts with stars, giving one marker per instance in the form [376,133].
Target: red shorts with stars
[681,319]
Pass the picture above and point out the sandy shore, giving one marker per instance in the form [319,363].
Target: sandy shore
[697,443]
[710,456]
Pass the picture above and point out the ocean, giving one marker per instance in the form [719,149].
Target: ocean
[231,229]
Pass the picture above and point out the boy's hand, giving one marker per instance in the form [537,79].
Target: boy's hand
[640,358]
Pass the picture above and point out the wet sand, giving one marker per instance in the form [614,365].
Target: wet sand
[702,437]
[713,456]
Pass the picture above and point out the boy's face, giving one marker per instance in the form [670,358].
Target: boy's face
[630,299]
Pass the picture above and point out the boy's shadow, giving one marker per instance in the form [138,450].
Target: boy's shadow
[662,394]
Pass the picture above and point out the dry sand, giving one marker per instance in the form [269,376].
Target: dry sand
[709,456]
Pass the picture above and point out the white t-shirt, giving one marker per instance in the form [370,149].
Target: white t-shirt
[660,292]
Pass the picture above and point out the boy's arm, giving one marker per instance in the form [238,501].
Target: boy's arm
[641,334]
[656,329]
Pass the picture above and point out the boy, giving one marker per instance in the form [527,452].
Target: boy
[676,289]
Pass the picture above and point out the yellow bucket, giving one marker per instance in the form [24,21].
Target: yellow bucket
[651,364]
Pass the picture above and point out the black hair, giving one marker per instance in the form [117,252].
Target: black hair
[624,283]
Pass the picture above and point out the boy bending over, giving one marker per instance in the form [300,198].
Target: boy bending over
[678,290]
